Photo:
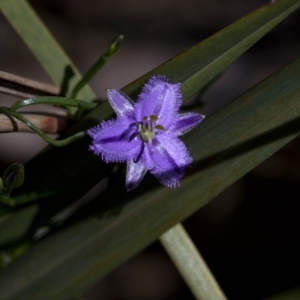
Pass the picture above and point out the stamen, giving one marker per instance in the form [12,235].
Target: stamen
[148,127]
[159,127]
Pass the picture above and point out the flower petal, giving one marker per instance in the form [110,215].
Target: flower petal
[120,102]
[166,159]
[134,174]
[115,140]
[186,122]
[159,98]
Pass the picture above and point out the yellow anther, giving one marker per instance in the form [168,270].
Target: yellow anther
[159,127]
[147,128]
[154,118]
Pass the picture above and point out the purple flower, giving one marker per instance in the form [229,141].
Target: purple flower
[145,133]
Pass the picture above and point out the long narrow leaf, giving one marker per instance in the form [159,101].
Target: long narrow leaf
[197,66]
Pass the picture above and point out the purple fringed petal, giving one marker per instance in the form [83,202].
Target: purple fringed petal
[115,140]
[186,122]
[159,98]
[166,159]
[120,102]
[134,174]
[147,143]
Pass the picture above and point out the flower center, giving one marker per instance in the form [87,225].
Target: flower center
[148,127]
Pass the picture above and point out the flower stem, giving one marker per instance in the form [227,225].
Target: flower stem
[61,101]
[190,264]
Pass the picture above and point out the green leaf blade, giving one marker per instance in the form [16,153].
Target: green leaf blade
[197,66]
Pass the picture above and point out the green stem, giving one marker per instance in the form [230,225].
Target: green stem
[190,264]
[56,143]
[113,48]
[61,101]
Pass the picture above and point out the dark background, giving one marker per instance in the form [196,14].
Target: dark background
[249,234]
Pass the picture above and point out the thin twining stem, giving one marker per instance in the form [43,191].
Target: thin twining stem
[113,49]
[191,264]
[47,123]
[45,137]
[23,87]
[13,116]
